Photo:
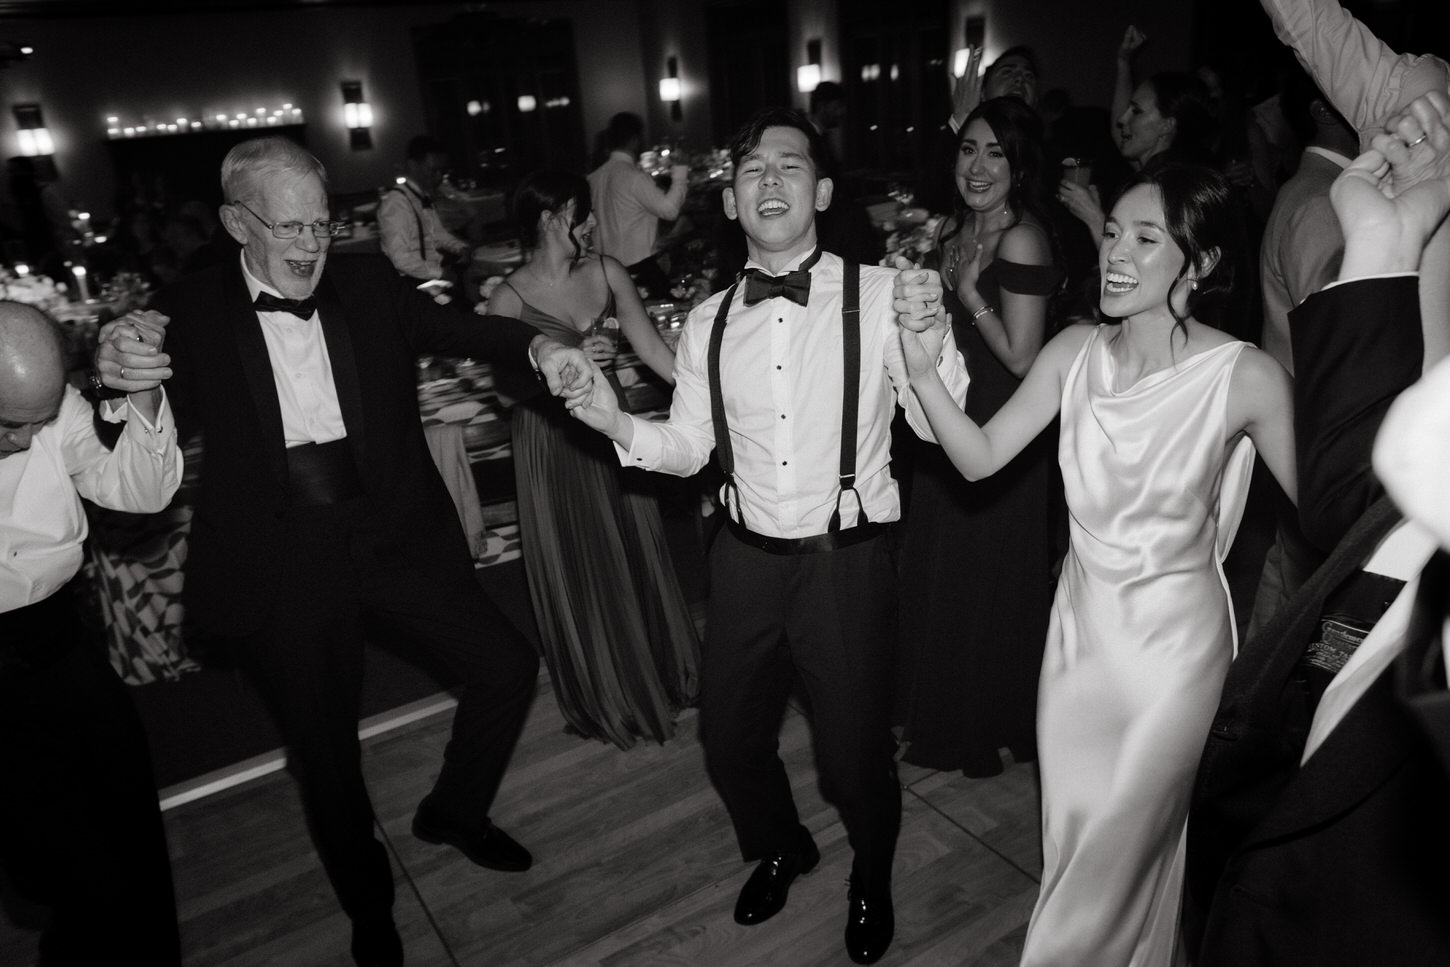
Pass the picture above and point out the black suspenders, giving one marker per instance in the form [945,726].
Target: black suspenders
[850,403]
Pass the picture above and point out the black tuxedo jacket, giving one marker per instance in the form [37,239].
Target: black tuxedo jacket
[1347,859]
[375,324]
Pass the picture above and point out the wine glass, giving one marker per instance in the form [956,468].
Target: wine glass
[606,330]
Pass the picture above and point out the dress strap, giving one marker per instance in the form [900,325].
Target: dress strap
[609,307]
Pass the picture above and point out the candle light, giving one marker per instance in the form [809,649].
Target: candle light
[21,269]
[82,288]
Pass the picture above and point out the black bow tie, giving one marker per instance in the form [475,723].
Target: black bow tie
[301,308]
[795,286]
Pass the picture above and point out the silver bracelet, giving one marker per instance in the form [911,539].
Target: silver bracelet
[981,312]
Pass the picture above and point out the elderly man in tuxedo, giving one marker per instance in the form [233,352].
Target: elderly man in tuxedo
[319,512]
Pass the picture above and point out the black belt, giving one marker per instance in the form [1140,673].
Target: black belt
[323,473]
[35,636]
[832,541]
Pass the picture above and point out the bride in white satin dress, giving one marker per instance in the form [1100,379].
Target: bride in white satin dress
[1160,419]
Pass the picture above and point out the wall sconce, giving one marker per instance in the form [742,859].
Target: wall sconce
[808,75]
[527,102]
[357,115]
[34,137]
[670,87]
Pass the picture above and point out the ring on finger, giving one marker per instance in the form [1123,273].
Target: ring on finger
[1422,137]
[123,372]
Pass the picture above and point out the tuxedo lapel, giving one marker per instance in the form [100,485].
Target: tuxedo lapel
[345,378]
[1421,666]
[1365,749]
[257,368]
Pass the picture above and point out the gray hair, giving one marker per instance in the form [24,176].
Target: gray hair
[264,156]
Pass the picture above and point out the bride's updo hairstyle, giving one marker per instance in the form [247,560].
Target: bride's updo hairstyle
[548,191]
[1203,220]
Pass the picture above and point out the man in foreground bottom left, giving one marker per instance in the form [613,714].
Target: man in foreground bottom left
[80,826]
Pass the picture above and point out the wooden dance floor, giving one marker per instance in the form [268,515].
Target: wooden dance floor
[635,864]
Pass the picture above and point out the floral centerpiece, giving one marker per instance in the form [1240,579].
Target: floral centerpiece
[33,290]
[126,291]
[913,242]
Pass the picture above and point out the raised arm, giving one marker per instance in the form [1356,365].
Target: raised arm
[978,451]
[1368,82]
[663,204]
[1133,38]
[1359,344]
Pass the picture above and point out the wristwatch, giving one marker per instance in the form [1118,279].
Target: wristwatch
[100,389]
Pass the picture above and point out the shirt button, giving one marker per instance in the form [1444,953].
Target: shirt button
[782,416]
[785,463]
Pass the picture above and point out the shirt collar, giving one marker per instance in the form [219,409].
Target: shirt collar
[254,285]
[1334,157]
[794,263]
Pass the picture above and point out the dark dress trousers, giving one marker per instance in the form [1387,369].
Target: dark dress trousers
[1343,860]
[294,583]
[80,827]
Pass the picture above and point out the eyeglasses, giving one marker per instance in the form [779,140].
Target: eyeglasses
[322,228]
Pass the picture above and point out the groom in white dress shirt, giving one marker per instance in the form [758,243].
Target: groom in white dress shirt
[803,581]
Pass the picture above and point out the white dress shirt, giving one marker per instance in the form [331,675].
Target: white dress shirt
[302,371]
[400,214]
[42,522]
[628,207]
[781,379]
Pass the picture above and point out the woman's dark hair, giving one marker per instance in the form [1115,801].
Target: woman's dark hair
[1202,217]
[1185,98]
[1018,130]
[747,138]
[548,191]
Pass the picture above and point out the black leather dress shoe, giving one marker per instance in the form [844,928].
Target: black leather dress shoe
[487,845]
[375,943]
[765,892]
[870,925]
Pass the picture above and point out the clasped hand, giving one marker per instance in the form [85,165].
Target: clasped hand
[921,314]
[128,354]
[1392,198]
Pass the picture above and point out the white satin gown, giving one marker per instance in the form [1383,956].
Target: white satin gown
[1141,636]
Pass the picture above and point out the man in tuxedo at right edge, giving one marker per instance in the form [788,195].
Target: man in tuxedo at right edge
[1318,832]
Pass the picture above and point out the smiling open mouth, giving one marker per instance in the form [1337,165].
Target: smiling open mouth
[772,206]
[979,186]
[1118,284]
[302,268]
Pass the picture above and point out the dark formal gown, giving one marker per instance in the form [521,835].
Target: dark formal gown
[977,578]
[616,630]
